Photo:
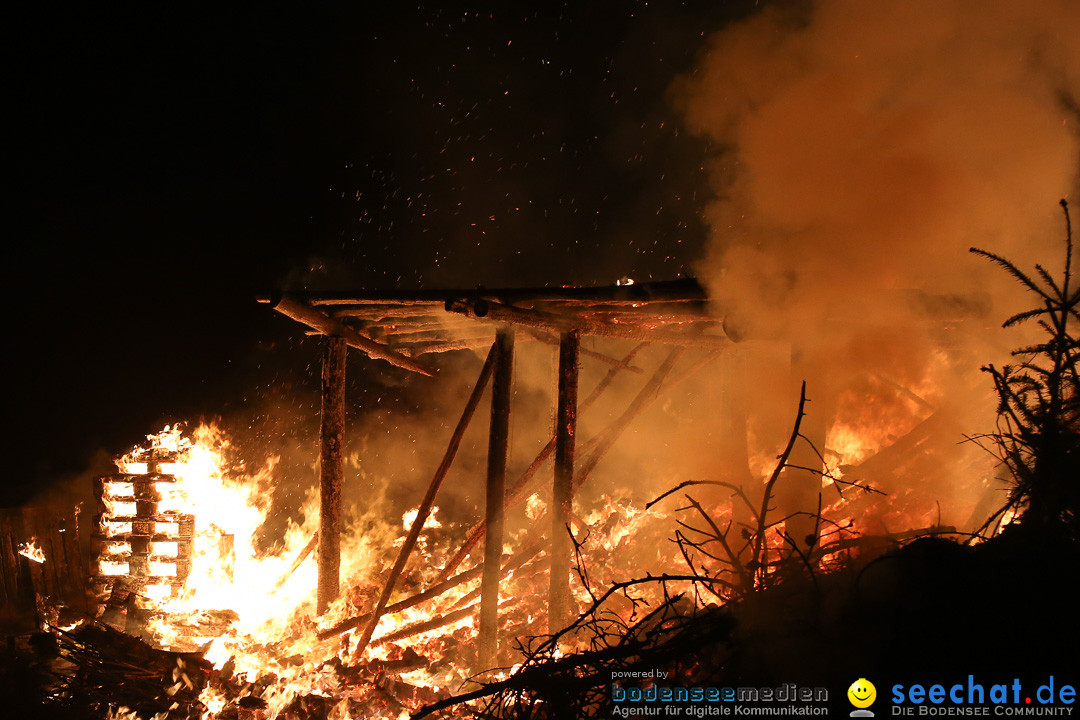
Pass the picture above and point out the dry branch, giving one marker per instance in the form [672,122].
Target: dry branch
[760,555]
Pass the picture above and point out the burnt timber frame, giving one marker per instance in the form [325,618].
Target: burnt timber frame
[401,326]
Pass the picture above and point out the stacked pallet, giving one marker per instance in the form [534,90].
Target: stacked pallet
[142,545]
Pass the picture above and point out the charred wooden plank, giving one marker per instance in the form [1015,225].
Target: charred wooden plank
[427,625]
[43,581]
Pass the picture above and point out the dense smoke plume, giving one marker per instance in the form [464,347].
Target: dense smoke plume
[861,148]
[864,147]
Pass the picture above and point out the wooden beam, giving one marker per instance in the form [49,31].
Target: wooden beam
[679,290]
[300,311]
[563,488]
[498,445]
[392,311]
[331,470]
[511,315]
[429,498]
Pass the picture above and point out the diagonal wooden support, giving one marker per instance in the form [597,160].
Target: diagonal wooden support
[429,499]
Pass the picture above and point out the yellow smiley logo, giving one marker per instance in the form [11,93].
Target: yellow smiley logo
[862,693]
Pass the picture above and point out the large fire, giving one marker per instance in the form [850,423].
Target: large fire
[269,642]
[251,612]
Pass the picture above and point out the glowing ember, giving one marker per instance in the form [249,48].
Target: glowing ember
[169,549]
[107,567]
[430,523]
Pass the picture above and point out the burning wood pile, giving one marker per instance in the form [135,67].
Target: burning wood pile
[143,544]
[358,619]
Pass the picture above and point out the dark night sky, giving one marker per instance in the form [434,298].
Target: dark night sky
[164,165]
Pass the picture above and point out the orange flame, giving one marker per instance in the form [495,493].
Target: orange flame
[31,551]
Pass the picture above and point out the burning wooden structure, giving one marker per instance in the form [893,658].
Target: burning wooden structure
[141,544]
[404,328]
[144,537]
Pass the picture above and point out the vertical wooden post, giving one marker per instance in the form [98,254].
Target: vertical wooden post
[563,489]
[498,442]
[331,469]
